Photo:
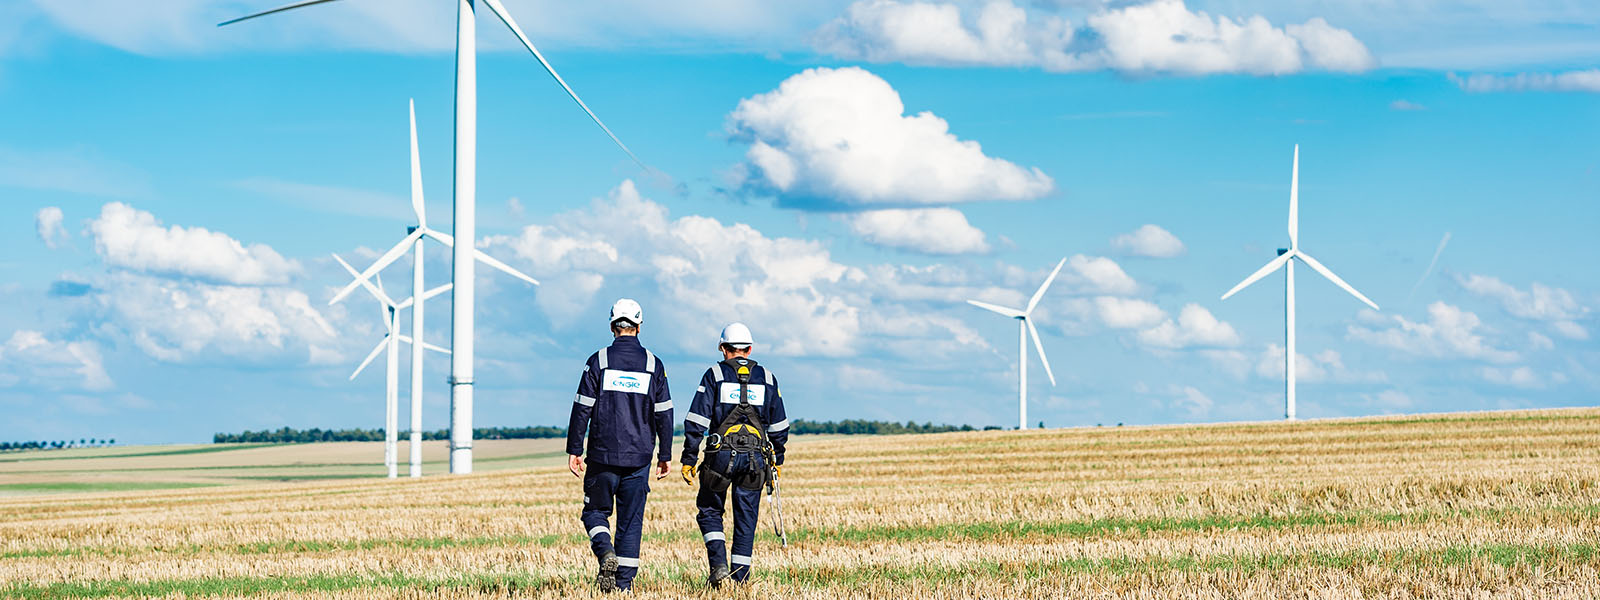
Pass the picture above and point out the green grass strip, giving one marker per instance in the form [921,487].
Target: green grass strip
[102,486]
[199,450]
[504,584]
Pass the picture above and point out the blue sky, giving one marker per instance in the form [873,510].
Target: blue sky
[841,176]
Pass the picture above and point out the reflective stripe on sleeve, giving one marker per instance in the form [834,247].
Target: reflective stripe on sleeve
[716,374]
[664,405]
[585,400]
[739,560]
[700,390]
[599,529]
[715,536]
[779,426]
[697,420]
[602,354]
[627,562]
[769,377]
[649,362]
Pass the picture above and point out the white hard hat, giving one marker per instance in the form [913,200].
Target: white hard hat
[627,310]
[736,334]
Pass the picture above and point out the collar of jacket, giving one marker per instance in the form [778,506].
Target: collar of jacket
[626,340]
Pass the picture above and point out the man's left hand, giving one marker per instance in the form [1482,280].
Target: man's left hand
[661,469]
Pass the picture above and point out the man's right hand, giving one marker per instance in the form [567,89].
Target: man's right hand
[575,464]
[688,474]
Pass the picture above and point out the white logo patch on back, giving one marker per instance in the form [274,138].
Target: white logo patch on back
[632,382]
[730,393]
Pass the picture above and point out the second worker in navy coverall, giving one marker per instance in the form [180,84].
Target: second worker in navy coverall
[624,405]
[715,399]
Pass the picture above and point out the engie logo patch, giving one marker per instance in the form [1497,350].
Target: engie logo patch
[631,382]
[730,393]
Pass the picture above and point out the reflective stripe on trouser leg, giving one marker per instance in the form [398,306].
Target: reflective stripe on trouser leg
[746,510]
[632,490]
[599,491]
[709,515]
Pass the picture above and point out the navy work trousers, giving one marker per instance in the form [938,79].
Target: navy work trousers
[624,488]
[713,496]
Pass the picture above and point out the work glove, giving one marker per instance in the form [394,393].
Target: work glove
[688,474]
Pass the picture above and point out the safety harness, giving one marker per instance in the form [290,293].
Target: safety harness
[743,434]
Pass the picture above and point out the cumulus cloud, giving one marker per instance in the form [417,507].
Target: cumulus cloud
[47,222]
[840,138]
[1160,36]
[132,239]
[1195,326]
[925,230]
[1327,365]
[30,358]
[1570,81]
[1191,402]
[1128,313]
[1556,306]
[1097,275]
[184,321]
[1151,241]
[1449,332]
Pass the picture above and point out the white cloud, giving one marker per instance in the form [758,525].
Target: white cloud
[1192,402]
[1556,306]
[925,230]
[840,137]
[189,321]
[1539,341]
[1449,333]
[1195,326]
[48,224]
[1128,313]
[1389,401]
[1406,105]
[1522,377]
[1570,81]
[1327,365]
[1097,275]
[29,358]
[133,239]
[1151,241]
[1160,36]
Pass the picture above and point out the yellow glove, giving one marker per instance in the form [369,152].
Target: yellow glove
[688,474]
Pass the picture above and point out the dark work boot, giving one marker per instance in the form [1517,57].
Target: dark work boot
[607,579]
[719,574]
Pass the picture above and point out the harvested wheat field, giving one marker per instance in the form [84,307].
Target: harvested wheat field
[1472,505]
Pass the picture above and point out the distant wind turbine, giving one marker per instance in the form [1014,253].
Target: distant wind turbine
[1285,259]
[462,322]
[1025,327]
[413,241]
[391,342]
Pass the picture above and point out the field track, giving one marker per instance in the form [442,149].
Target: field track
[1501,505]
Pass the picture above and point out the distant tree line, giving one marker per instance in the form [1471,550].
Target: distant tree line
[55,445]
[288,435]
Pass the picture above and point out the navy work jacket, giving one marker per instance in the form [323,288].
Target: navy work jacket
[624,405]
[717,396]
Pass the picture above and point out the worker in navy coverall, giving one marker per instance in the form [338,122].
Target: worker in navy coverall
[624,405]
[717,396]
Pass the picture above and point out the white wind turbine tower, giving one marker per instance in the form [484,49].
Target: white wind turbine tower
[391,342]
[1025,327]
[413,241]
[1285,260]
[465,206]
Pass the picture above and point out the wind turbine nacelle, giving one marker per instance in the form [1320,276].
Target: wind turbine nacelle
[1283,251]
[410,229]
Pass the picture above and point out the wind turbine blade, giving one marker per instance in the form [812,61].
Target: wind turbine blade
[388,257]
[275,10]
[1262,272]
[416,172]
[1335,278]
[441,237]
[1040,294]
[428,295]
[493,262]
[383,343]
[425,345]
[1010,312]
[1294,201]
[500,11]
[405,304]
[376,293]
[1037,345]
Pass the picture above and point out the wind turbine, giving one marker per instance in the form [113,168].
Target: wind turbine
[413,241]
[391,342]
[1025,327]
[465,205]
[1285,260]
